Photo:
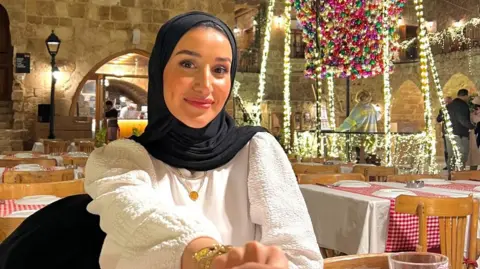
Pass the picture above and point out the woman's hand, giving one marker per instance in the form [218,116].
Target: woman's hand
[252,255]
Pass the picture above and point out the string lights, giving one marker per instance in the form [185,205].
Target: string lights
[263,65]
[425,87]
[387,92]
[331,115]
[287,110]
[455,32]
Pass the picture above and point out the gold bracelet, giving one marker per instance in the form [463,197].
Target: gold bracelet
[205,256]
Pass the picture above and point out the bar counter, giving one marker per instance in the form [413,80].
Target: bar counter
[126,126]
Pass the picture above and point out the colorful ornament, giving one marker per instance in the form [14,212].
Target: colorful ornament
[349,35]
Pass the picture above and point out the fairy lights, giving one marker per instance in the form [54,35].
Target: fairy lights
[263,65]
[331,115]
[287,110]
[387,92]
[425,87]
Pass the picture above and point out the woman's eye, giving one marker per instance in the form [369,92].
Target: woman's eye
[187,64]
[221,70]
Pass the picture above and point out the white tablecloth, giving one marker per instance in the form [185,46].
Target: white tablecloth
[354,223]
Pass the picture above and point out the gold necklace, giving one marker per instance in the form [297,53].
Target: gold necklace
[191,193]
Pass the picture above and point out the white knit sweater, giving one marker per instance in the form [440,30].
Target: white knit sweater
[149,219]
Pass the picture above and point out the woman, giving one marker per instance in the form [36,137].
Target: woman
[364,116]
[193,183]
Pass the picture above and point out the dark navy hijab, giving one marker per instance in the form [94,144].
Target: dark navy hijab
[168,139]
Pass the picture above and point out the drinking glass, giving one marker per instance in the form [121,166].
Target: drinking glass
[38,147]
[416,260]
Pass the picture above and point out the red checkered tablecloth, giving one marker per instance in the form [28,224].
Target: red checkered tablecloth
[403,229]
[7,207]
[456,186]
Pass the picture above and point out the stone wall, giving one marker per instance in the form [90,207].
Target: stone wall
[90,31]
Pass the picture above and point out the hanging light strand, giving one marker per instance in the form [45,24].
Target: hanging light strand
[387,92]
[287,110]
[263,65]
[425,87]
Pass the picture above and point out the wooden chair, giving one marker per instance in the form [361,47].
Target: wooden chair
[59,189]
[10,152]
[327,178]
[40,161]
[78,140]
[77,161]
[407,178]
[86,146]
[375,173]
[302,168]
[466,175]
[38,176]
[17,191]
[452,214]
[367,261]
[55,147]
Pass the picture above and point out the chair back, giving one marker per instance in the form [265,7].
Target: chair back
[452,215]
[407,178]
[375,173]
[12,176]
[55,147]
[77,161]
[302,168]
[40,161]
[327,178]
[466,175]
[367,261]
[59,189]
[17,191]
[86,146]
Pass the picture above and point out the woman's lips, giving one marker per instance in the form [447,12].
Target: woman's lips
[199,103]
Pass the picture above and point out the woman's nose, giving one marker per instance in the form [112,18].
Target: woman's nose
[203,81]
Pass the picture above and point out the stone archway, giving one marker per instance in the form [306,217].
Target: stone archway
[408,108]
[94,69]
[6,57]
[456,82]
[129,90]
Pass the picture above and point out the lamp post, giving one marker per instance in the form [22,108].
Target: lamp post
[53,45]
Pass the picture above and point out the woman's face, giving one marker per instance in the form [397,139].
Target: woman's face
[196,78]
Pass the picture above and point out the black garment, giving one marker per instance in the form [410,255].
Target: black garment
[441,120]
[112,113]
[168,139]
[460,117]
[112,116]
[62,235]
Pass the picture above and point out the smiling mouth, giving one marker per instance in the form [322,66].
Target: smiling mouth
[204,104]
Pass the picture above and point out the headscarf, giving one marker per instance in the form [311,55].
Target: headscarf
[168,139]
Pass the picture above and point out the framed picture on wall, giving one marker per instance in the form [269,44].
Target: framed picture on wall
[297,121]
[307,123]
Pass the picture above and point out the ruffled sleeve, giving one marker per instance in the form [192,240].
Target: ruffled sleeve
[277,205]
[149,233]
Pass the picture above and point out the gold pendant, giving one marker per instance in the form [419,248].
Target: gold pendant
[193,195]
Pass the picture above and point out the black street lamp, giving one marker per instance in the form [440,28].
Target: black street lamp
[53,45]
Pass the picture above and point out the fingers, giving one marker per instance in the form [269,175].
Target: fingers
[253,265]
[235,257]
[254,252]
[277,258]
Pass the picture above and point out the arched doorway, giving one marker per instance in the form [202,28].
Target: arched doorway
[6,57]
[121,78]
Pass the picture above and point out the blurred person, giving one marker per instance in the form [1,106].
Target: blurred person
[460,117]
[440,120]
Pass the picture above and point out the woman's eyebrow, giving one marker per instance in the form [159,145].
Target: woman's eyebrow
[196,54]
[189,52]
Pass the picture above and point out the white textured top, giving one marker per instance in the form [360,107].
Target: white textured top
[149,219]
